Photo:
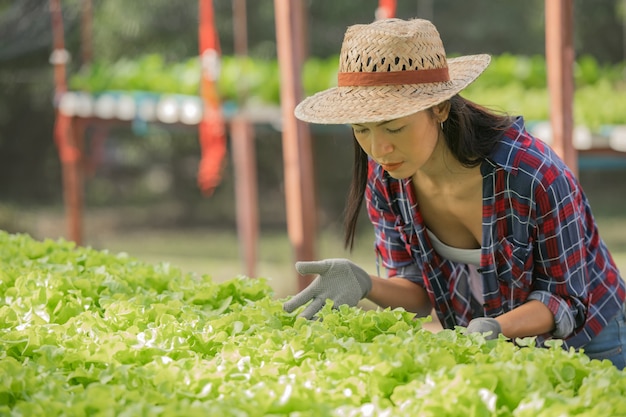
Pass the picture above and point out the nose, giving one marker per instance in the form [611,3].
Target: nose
[380,146]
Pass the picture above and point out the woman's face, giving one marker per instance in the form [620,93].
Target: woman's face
[401,146]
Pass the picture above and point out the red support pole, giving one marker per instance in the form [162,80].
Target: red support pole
[297,150]
[73,178]
[560,62]
[240,27]
[86,32]
[244,159]
[67,134]
[59,55]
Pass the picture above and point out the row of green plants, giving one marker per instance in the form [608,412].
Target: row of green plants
[92,333]
[515,84]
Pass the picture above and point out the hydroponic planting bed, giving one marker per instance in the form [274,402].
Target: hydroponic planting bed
[149,87]
[86,332]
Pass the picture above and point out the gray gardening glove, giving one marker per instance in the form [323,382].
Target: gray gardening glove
[338,279]
[484,325]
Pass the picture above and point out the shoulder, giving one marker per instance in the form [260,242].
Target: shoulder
[528,159]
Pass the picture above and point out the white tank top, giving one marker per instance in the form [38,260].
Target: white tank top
[471,257]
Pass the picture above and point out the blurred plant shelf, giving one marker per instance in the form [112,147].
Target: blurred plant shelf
[148,89]
[148,107]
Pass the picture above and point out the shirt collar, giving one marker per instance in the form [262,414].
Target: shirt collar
[506,153]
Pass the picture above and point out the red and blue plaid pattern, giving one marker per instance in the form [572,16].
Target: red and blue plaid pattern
[540,241]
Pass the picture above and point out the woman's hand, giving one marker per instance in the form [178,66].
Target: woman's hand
[337,279]
[532,318]
[487,326]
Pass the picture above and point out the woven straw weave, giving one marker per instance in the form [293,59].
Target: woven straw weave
[390,45]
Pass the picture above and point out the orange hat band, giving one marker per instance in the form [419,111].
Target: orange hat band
[367,79]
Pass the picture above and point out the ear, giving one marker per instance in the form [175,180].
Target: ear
[441,111]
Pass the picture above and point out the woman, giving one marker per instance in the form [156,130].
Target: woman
[473,216]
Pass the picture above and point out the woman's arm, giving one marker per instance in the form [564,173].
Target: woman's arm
[533,318]
[399,292]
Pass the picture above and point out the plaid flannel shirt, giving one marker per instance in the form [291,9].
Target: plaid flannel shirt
[540,242]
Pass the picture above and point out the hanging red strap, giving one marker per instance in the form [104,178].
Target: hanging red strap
[386,9]
[211,129]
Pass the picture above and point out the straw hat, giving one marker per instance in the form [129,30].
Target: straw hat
[390,69]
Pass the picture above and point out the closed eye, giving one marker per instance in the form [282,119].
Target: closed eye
[396,130]
[360,131]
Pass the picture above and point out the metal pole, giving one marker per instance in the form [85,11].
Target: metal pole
[297,150]
[560,62]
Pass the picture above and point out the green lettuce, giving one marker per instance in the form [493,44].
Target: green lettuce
[91,333]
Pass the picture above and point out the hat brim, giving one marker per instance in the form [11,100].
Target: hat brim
[347,105]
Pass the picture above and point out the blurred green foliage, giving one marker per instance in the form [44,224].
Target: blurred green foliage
[124,32]
[511,83]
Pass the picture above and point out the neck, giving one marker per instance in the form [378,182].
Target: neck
[442,168]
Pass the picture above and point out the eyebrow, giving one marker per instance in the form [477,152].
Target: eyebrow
[379,124]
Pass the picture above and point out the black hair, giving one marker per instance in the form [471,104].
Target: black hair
[471,132]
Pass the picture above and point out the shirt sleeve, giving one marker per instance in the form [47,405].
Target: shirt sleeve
[560,275]
[390,240]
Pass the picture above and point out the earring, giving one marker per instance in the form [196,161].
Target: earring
[441,124]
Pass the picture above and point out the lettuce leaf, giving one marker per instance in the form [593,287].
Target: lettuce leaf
[86,332]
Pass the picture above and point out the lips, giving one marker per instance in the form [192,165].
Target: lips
[391,167]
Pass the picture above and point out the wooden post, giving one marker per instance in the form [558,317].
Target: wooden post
[297,150]
[560,62]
